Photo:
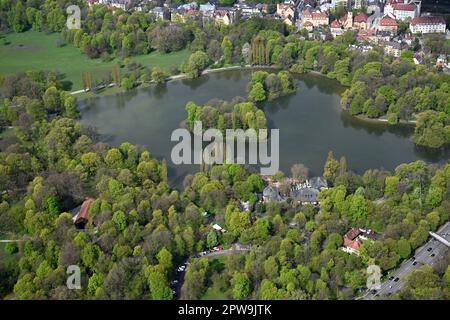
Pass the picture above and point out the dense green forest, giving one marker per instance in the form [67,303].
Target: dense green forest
[142,229]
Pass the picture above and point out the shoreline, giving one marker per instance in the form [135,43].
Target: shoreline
[180,76]
[184,76]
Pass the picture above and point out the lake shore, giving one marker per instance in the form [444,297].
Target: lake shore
[112,88]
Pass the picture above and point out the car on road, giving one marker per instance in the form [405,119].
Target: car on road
[414,263]
[396,279]
[432,255]
[429,249]
[413,258]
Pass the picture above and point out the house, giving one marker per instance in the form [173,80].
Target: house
[393,48]
[188,6]
[271,193]
[159,12]
[351,241]
[207,9]
[317,18]
[441,61]
[355,237]
[222,16]
[80,215]
[218,228]
[336,28]
[308,26]
[427,24]
[388,23]
[418,59]
[318,183]
[245,205]
[286,10]
[305,195]
[369,35]
[402,9]
[120,4]
[360,21]
[347,21]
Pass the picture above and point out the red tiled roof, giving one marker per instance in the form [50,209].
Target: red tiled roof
[83,214]
[354,244]
[319,15]
[387,21]
[427,20]
[352,233]
[307,24]
[335,24]
[361,18]
[404,7]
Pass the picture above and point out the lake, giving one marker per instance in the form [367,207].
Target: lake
[311,123]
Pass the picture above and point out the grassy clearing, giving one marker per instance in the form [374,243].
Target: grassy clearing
[38,51]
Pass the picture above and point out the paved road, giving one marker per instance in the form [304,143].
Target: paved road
[423,256]
[375,16]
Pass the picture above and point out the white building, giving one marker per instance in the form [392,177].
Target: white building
[403,9]
[427,24]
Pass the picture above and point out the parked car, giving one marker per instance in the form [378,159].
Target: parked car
[429,249]
[396,279]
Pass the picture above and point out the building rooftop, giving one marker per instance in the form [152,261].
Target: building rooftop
[427,20]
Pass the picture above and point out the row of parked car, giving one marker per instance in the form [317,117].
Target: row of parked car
[212,249]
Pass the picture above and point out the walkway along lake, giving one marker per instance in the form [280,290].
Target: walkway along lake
[311,123]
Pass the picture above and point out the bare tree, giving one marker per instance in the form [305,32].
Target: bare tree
[300,172]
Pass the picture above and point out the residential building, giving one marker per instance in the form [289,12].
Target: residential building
[360,21]
[305,195]
[351,241]
[427,24]
[354,238]
[393,48]
[369,35]
[388,23]
[286,10]
[271,193]
[336,28]
[159,12]
[317,18]
[441,61]
[207,9]
[402,9]
[223,16]
[346,21]
[80,215]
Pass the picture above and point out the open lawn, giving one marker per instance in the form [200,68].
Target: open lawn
[38,51]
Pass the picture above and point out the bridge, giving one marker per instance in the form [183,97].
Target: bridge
[440,239]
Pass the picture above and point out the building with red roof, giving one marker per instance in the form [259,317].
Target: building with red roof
[360,21]
[403,9]
[317,18]
[388,23]
[428,24]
